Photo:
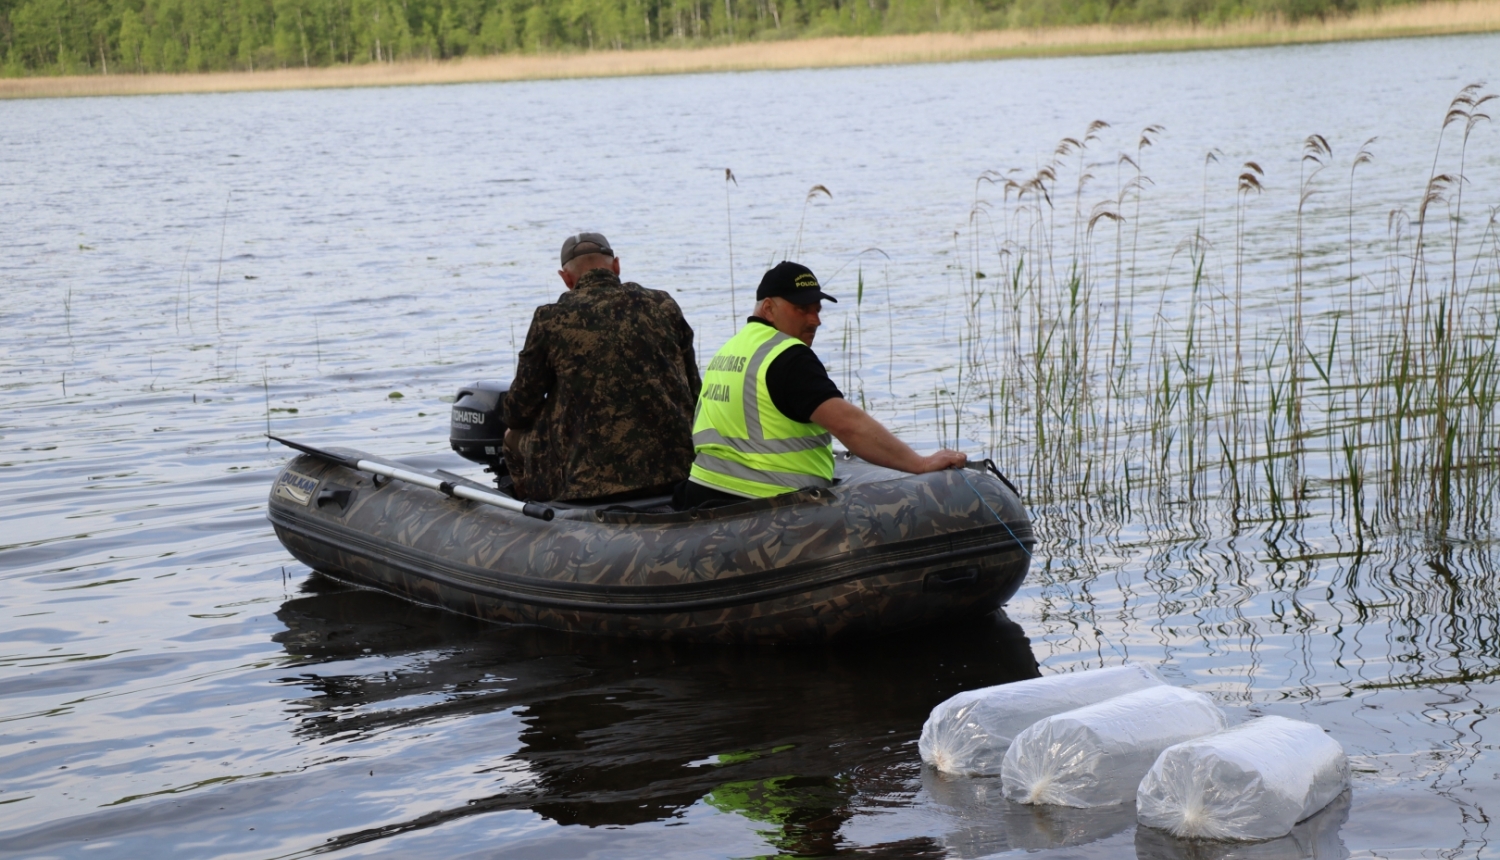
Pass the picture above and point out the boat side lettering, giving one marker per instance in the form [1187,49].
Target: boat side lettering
[296,487]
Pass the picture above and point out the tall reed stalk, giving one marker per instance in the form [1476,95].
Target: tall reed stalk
[1371,391]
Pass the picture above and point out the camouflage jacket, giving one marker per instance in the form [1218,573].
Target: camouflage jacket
[606,383]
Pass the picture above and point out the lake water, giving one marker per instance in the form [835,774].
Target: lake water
[181,272]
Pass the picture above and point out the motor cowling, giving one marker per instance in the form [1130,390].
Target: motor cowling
[476,429]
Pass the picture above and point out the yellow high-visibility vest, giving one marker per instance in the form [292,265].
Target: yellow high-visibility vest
[743,444]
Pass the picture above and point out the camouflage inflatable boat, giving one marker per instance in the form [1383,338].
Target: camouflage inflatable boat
[879,550]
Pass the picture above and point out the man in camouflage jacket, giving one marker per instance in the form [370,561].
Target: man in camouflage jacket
[602,403]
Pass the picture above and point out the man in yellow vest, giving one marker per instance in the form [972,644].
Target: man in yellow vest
[768,413]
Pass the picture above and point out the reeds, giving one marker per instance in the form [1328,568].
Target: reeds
[1379,408]
[219,272]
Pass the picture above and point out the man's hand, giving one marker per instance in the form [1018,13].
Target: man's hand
[868,440]
[946,459]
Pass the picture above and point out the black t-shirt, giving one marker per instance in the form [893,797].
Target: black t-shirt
[797,381]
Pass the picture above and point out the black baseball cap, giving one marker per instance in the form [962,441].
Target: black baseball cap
[791,281]
[585,243]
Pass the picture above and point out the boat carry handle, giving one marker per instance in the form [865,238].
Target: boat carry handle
[988,465]
[340,496]
[448,488]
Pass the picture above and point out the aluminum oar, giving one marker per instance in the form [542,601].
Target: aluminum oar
[431,482]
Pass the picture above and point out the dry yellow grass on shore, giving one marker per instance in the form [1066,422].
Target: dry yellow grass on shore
[1420,19]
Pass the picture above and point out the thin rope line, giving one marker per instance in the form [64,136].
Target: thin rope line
[997,517]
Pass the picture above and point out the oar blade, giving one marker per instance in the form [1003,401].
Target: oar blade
[316,452]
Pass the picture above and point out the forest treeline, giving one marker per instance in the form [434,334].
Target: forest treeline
[125,36]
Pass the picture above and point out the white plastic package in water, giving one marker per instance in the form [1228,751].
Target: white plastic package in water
[1097,754]
[1255,781]
[968,734]
[1317,838]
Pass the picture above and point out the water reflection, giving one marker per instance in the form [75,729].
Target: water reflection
[1317,838]
[797,742]
[617,733]
[986,823]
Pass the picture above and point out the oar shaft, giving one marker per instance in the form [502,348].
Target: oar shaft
[460,491]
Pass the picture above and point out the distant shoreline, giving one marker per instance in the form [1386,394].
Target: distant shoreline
[1421,19]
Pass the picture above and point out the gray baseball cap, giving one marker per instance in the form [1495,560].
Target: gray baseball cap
[585,243]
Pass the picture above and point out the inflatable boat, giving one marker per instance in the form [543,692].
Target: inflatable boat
[879,550]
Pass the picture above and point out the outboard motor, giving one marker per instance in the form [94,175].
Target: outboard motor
[477,430]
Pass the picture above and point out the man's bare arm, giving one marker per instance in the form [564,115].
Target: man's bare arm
[868,439]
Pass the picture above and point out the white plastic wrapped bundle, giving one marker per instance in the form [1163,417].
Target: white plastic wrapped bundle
[1096,755]
[968,734]
[1255,781]
[1317,838]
